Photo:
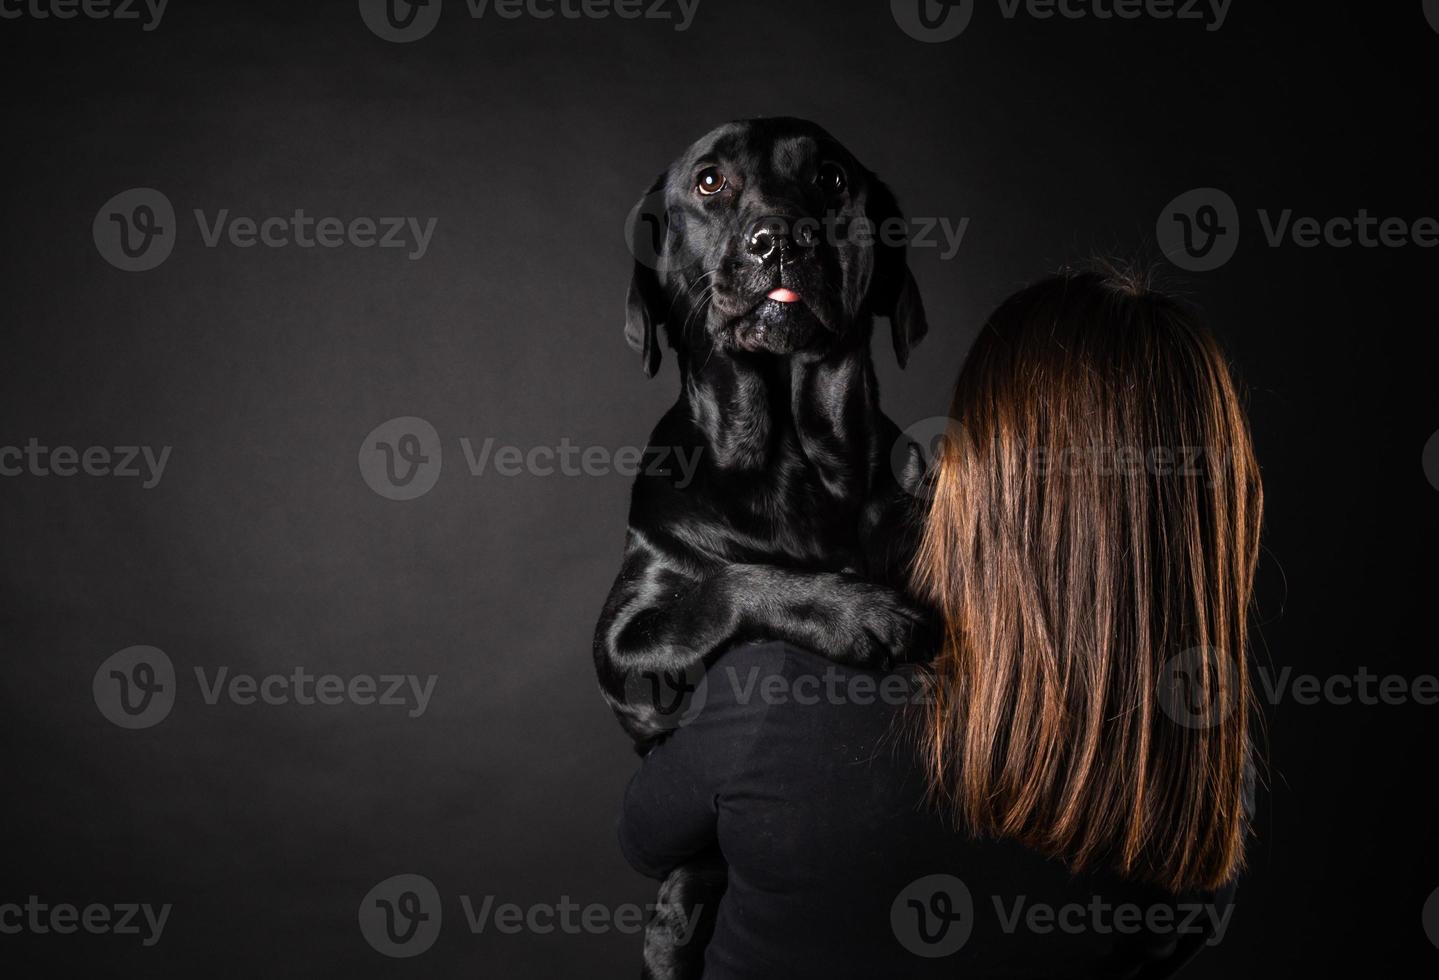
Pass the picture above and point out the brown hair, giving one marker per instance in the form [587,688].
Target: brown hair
[1091,544]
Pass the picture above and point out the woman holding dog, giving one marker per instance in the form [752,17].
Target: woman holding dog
[1062,791]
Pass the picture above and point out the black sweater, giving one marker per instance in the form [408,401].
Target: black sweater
[803,774]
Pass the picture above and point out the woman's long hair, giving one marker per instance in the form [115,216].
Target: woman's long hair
[1091,544]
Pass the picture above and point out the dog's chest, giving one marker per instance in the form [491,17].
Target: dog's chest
[794,519]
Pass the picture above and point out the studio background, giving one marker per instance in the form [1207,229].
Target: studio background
[263,548]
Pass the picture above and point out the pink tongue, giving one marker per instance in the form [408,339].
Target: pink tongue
[783,295]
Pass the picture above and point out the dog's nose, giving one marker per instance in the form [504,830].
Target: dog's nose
[768,238]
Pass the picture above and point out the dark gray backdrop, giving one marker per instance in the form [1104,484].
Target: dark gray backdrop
[262,548]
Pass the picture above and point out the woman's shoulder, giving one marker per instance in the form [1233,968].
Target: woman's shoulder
[777,659]
[783,683]
[770,657]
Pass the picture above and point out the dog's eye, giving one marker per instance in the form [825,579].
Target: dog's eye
[710,181]
[831,178]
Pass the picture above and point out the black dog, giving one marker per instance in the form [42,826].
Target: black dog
[778,248]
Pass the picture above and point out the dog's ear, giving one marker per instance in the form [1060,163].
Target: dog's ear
[893,293]
[644,306]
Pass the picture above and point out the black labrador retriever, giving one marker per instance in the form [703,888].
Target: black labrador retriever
[773,250]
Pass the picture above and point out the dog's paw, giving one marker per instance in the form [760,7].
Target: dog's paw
[882,627]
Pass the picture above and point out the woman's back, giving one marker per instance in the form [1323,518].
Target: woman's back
[805,773]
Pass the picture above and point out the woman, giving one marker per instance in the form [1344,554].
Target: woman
[1061,794]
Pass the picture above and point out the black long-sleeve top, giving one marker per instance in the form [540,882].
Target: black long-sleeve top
[804,774]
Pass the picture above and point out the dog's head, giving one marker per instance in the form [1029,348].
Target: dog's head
[768,237]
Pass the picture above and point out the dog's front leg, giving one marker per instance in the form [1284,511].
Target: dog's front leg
[663,625]
[684,919]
